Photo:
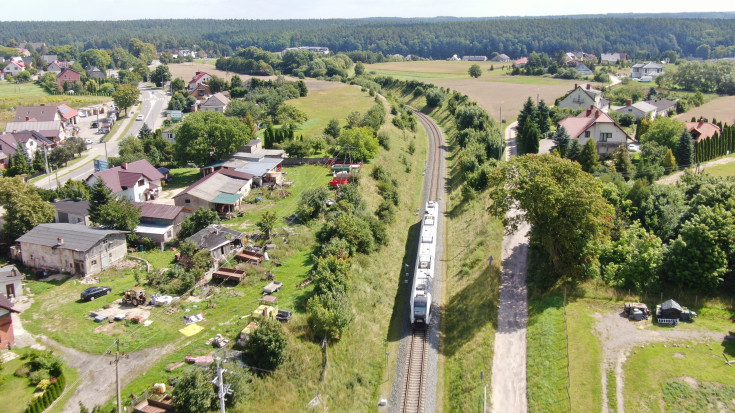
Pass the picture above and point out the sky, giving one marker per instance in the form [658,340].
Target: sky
[303,9]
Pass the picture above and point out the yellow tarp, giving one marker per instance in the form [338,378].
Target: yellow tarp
[191,329]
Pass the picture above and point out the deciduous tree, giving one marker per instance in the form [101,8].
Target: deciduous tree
[125,96]
[475,71]
[24,208]
[205,137]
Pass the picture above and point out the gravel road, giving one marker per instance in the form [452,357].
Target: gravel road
[509,358]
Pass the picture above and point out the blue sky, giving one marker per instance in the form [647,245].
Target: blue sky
[299,9]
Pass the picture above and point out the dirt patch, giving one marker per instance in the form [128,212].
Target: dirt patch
[117,308]
[108,328]
[679,355]
[719,108]
[691,381]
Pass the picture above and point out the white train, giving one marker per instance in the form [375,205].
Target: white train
[423,275]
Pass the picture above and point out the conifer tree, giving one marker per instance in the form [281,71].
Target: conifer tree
[623,163]
[669,161]
[684,150]
[561,140]
[100,195]
[589,157]
[573,150]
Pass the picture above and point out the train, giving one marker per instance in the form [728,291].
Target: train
[423,275]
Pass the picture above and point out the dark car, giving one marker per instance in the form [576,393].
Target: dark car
[93,292]
[95,125]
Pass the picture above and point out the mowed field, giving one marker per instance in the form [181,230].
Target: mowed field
[322,105]
[492,90]
[721,108]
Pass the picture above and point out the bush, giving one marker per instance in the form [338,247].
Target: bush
[380,173]
[384,140]
[22,372]
[266,348]
[386,212]
[37,376]
[329,315]
[434,97]
[313,203]
[389,192]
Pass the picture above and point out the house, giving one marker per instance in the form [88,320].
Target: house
[49,58]
[13,67]
[175,115]
[520,62]
[597,125]
[134,181]
[69,211]
[159,222]
[76,249]
[68,77]
[94,72]
[218,240]
[217,103]
[583,70]
[32,142]
[454,58]
[7,338]
[198,79]
[220,191]
[702,130]
[641,110]
[58,66]
[313,49]
[41,113]
[664,107]
[651,69]
[201,92]
[584,96]
[11,282]
[51,130]
[474,58]
[613,58]
[501,58]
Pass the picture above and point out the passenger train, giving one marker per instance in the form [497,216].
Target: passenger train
[423,276]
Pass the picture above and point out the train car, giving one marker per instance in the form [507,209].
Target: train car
[425,263]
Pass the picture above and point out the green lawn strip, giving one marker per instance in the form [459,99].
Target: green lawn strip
[321,106]
[157,258]
[651,374]
[547,356]
[612,386]
[182,177]
[722,170]
[66,171]
[585,358]
[15,392]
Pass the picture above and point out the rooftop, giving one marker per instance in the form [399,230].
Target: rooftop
[214,236]
[159,211]
[71,206]
[74,237]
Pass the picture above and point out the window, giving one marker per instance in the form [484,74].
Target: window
[141,183]
[604,136]
[187,201]
[586,134]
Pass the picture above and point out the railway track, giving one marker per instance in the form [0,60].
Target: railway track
[434,165]
[414,391]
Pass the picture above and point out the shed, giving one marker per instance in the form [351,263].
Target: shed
[11,281]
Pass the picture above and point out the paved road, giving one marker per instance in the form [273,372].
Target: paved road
[153,103]
[509,358]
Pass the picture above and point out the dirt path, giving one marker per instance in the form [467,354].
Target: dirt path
[509,358]
[674,178]
[619,336]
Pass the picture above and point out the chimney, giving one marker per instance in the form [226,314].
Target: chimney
[124,165]
[28,118]
[588,86]
[628,102]
[59,241]
[575,85]
[42,104]
[701,122]
[587,113]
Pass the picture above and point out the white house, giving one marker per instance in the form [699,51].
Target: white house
[597,125]
[198,79]
[216,103]
[14,67]
[11,282]
[137,181]
[651,69]
[584,96]
[641,110]
[613,58]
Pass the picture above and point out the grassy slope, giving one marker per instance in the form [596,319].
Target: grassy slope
[321,106]
[29,94]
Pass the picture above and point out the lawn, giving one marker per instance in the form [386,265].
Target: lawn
[321,106]
[722,170]
[29,94]
[16,391]
[182,177]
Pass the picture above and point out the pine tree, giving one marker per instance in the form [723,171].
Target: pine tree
[100,195]
[39,162]
[528,112]
[589,157]
[532,137]
[684,150]
[542,118]
[669,161]
[561,140]
[20,165]
[623,163]
[573,150]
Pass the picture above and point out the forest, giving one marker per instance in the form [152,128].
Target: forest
[640,37]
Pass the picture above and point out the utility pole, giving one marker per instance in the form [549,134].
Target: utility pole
[118,357]
[223,389]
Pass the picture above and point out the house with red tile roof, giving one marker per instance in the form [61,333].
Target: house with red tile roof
[13,67]
[520,62]
[57,66]
[68,76]
[702,130]
[597,125]
[32,142]
[198,79]
[137,181]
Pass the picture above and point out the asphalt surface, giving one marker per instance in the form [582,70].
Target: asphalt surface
[153,104]
[509,357]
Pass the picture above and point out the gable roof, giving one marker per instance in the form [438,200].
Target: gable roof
[75,237]
[222,181]
[662,104]
[6,304]
[36,113]
[644,107]
[703,129]
[218,99]
[198,76]
[128,175]
[648,65]
[576,125]
[214,236]
[42,127]
[66,111]
[158,211]
[71,206]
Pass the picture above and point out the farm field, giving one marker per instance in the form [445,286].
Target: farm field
[322,105]
[29,94]
[721,108]
[491,90]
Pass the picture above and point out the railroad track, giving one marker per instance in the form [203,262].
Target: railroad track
[434,165]
[413,393]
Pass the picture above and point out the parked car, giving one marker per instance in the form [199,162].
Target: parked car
[95,124]
[95,292]
[140,117]
[88,141]
[634,147]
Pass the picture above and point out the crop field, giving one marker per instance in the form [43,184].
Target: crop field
[720,108]
[492,90]
[325,104]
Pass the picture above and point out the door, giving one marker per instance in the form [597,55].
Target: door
[10,290]
[78,267]
[105,260]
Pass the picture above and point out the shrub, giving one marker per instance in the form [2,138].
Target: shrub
[386,212]
[384,140]
[389,192]
[266,348]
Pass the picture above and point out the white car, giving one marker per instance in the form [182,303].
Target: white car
[634,147]
[140,117]
[88,141]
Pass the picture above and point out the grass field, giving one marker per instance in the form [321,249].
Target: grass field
[321,106]
[720,108]
[182,177]
[29,94]
[722,170]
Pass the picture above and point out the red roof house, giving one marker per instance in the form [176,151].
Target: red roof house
[135,181]
[68,76]
[702,130]
[595,124]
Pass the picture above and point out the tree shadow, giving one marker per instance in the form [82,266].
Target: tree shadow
[400,323]
[471,309]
